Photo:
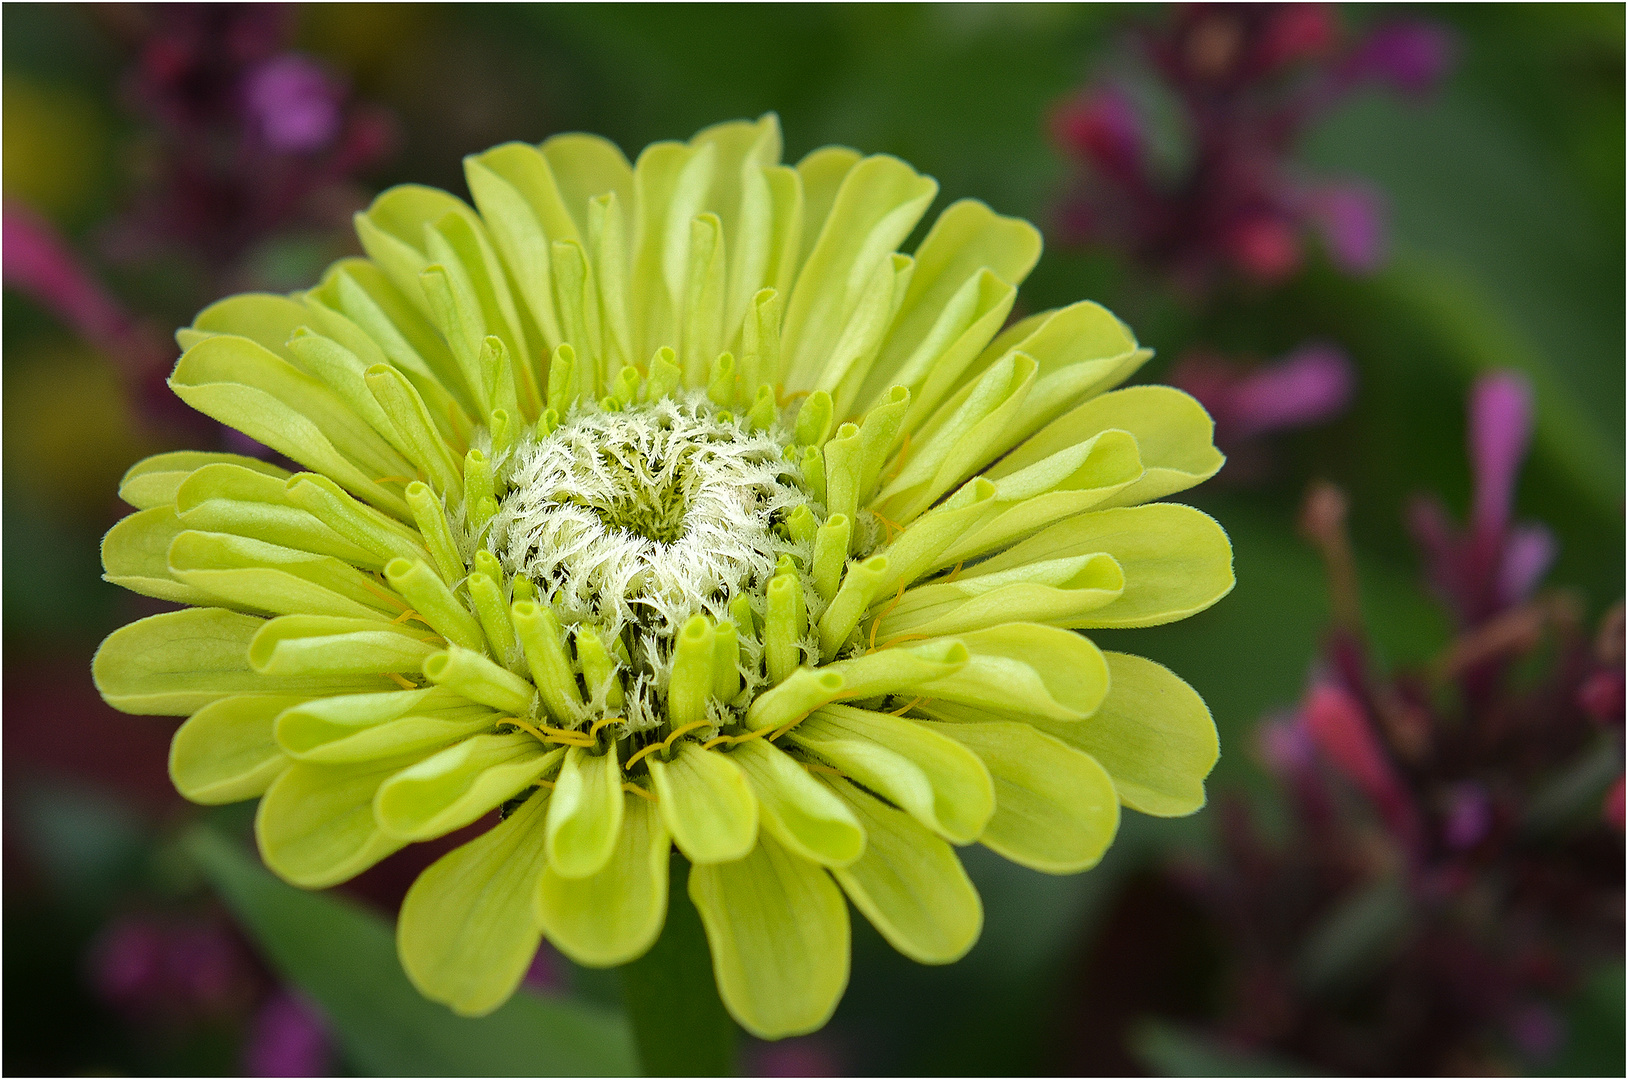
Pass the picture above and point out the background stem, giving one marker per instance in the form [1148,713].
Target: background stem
[679,1023]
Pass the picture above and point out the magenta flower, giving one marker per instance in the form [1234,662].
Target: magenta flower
[1493,564]
[288,1038]
[1248,82]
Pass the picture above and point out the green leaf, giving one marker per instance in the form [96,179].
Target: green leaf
[1167,1050]
[345,959]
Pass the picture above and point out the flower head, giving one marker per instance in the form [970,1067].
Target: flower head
[668,504]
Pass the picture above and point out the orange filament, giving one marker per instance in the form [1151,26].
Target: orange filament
[884,614]
[547,734]
[892,526]
[404,616]
[956,572]
[783,399]
[667,743]
[736,739]
[903,638]
[393,601]
[651,749]
[898,460]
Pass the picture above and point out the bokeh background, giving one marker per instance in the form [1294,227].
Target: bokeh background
[1383,245]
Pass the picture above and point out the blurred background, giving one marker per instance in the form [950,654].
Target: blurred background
[1383,245]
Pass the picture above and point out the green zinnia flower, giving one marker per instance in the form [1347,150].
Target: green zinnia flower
[669,504]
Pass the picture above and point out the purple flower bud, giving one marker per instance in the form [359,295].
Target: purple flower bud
[294,102]
[1528,552]
[1410,56]
[1537,1031]
[544,974]
[127,962]
[1311,385]
[1469,817]
[289,1038]
[1102,127]
[1351,219]
[1500,428]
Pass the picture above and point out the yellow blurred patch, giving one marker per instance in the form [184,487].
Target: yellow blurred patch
[69,429]
[55,146]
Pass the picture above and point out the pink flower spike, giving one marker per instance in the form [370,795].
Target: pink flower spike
[1340,727]
[1612,809]
[1500,429]
[39,263]
[1311,385]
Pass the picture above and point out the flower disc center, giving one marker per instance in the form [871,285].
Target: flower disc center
[647,516]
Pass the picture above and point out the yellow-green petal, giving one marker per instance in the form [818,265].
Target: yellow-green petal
[226,751]
[1174,436]
[367,727]
[1153,734]
[796,809]
[135,556]
[315,824]
[1026,669]
[585,814]
[1177,560]
[465,933]
[1055,807]
[910,884]
[176,663]
[613,916]
[936,780]
[456,786]
[706,804]
[778,930]
[153,481]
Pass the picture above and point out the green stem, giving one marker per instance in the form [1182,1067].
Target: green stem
[678,1022]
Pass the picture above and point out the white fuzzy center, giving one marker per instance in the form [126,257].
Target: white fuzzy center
[643,518]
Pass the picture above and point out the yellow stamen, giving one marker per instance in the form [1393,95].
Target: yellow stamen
[593,732]
[893,526]
[394,480]
[635,789]
[956,572]
[816,767]
[404,616]
[634,760]
[403,683]
[909,705]
[902,638]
